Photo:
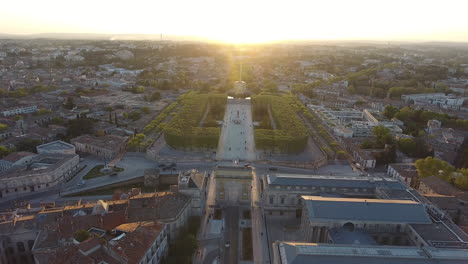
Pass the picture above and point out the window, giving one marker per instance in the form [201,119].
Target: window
[16,189]
[282,200]
[272,199]
[24,188]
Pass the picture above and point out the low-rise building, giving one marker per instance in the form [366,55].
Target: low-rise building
[366,157]
[19,110]
[107,146]
[56,147]
[282,192]
[434,185]
[193,183]
[41,173]
[300,252]
[437,99]
[141,242]
[16,159]
[131,230]
[171,208]
[405,172]
[446,143]
[377,217]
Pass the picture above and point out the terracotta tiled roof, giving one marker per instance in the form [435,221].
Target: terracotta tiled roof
[135,244]
[89,244]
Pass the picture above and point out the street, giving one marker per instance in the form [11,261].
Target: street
[231,218]
[259,238]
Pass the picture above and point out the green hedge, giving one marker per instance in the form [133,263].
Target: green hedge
[291,135]
[183,131]
[154,125]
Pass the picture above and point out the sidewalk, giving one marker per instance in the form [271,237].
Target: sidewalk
[260,243]
[117,159]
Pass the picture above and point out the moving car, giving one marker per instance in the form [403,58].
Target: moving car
[81,183]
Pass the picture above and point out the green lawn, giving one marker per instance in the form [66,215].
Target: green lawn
[96,172]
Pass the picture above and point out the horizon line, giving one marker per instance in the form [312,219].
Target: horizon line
[208,39]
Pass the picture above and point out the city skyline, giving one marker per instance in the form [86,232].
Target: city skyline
[244,21]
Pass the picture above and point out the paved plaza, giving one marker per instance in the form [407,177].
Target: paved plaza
[237,135]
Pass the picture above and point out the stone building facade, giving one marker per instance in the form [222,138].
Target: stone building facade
[42,173]
[108,146]
[282,192]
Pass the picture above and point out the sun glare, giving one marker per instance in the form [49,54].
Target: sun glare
[245,21]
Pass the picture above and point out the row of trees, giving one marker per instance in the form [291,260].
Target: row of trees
[183,131]
[330,147]
[291,134]
[22,92]
[216,109]
[418,79]
[155,124]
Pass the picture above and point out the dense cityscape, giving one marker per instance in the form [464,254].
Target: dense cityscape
[164,151]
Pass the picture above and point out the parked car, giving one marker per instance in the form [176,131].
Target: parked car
[113,174]
[81,183]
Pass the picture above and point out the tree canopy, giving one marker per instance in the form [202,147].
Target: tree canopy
[432,166]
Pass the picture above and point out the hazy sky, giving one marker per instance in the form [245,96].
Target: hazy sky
[244,20]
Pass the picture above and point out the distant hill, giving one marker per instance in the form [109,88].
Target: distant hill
[96,36]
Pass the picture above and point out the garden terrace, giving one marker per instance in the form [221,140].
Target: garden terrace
[155,124]
[185,130]
[290,135]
